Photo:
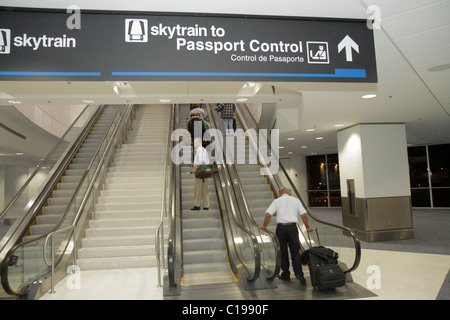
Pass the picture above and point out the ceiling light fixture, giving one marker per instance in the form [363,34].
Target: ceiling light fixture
[290,139]
[369,96]
[338,125]
[438,68]
[88,101]
[319,138]
[310,130]
[164,100]
[242,99]
[14,101]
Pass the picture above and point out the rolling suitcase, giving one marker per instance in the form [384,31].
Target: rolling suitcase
[323,266]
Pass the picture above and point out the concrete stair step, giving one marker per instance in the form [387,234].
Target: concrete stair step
[117,263]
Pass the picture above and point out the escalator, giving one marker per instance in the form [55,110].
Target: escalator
[207,246]
[260,185]
[57,197]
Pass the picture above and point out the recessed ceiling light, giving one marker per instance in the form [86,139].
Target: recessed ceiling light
[280,147]
[319,138]
[14,101]
[290,152]
[304,147]
[290,139]
[310,130]
[369,96]
[441,67]
[164,100]
[338,125]
[242,99]
[19,153]
[88,101]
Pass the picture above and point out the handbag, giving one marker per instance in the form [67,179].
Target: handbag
[206,171]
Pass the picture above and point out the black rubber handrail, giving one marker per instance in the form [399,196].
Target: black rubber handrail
[234,207]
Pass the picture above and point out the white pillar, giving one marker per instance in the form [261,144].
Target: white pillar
[374,175]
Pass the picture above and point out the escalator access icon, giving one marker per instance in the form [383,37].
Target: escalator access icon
[136,30]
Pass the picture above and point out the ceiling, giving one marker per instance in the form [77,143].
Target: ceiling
[413,61]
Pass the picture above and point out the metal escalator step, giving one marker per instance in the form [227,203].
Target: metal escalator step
[203,244]
[197,233]
[41,228]
[200,256]
[49,218]
[208,278]
[59,201]
[54,209]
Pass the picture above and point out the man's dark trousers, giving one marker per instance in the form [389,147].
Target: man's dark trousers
[288,236]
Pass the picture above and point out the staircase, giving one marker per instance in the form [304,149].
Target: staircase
[128,211]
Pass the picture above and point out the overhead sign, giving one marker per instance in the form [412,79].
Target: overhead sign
[110,46]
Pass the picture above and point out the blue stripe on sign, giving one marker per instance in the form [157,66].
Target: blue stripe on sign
[41,73]
[339,73]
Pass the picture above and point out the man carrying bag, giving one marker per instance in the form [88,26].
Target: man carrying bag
[201,192]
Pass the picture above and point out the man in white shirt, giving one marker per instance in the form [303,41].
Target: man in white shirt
[200,185]
[287,209]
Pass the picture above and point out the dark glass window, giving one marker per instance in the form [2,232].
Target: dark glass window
[420,198]
[316,173]
[323,181]
[418,172]
[333,172]
[433,191]
[440,165]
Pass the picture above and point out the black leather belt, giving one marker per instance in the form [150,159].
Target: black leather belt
[286,224]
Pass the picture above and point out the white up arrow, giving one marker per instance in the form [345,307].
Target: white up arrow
[348,44]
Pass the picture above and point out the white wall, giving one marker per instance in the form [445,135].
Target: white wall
[54,119]
[296,169]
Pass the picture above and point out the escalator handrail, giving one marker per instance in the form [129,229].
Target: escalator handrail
[245,212]
[56,229]
[174,244]
[159,233]
[41,164]
[123,118]
[21,224]
[246,209]
[230,196]
[309,212]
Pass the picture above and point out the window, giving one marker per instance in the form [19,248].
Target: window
[439,158]
[323,181]
[429,170]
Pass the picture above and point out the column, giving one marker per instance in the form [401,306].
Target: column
[374,176]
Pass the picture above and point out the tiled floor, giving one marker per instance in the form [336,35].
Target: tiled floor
[396,275]
[119,284]
[392,270]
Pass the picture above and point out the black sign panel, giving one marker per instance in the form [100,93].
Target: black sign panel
[109,46]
